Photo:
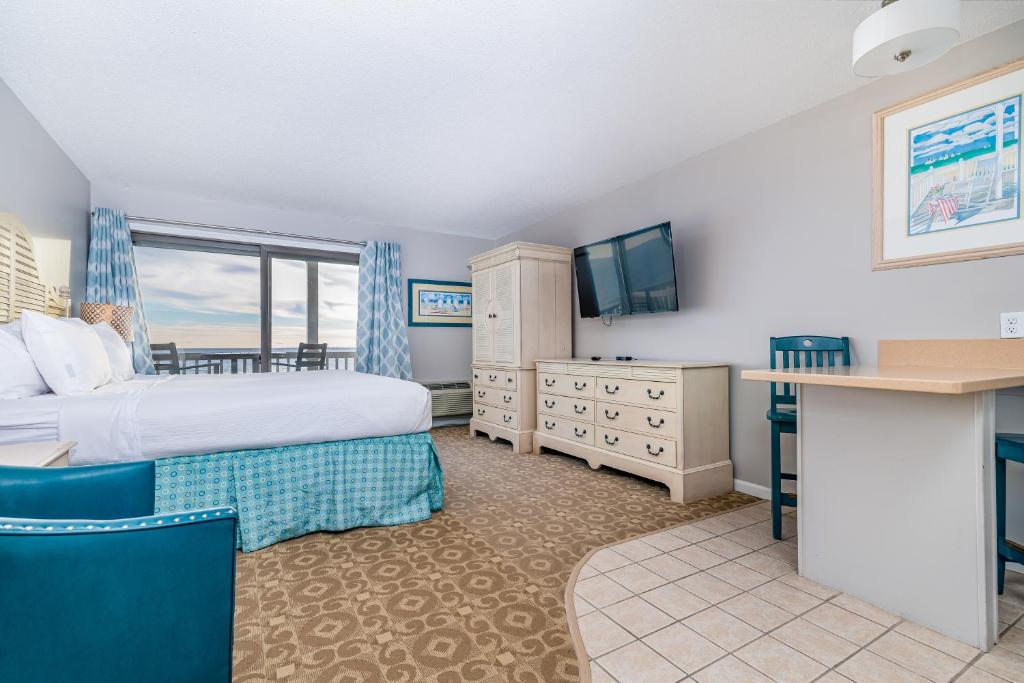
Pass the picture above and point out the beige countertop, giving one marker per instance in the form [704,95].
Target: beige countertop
[933,380]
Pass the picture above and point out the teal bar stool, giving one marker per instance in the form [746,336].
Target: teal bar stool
[1008,447]
[794,352]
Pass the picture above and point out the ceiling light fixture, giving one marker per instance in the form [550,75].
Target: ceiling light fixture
[905,34]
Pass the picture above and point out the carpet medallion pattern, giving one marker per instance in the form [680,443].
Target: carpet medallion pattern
[474,594]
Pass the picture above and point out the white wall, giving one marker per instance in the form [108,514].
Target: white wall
[44,188]
[437,353]
[772,237]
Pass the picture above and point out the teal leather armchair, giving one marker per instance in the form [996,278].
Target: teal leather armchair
[93,587]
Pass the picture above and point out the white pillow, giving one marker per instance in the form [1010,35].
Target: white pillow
[121,366]
[67,352]
[19,377]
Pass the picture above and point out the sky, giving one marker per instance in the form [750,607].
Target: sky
[968,132]
[210,300]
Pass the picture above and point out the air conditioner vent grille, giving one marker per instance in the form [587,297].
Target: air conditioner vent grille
[450,398]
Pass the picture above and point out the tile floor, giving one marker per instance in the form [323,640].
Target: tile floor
[719,601]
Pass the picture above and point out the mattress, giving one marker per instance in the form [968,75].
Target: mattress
[169,415]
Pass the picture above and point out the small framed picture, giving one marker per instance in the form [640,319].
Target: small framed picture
[437,303]
[947,173]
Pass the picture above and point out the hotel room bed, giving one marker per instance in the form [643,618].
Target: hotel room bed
[294,452]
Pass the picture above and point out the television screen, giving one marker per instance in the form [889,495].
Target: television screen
[628,274]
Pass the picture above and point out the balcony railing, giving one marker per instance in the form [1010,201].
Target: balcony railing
[229,362]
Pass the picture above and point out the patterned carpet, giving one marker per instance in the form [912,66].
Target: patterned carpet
[474,594]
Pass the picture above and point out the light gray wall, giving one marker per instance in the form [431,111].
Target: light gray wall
[772,237]
[437,353]
[41,185]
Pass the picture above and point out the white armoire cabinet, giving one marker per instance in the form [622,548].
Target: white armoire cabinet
[522,311]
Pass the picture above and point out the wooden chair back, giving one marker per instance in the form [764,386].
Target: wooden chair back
[804,351]
[311,357]
[165,358]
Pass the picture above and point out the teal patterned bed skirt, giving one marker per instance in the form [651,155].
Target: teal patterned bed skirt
[285,492]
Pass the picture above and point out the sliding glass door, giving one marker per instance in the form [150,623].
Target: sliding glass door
[234,307]
[313,300]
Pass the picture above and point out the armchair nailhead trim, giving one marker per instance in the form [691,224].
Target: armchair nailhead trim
[139,524]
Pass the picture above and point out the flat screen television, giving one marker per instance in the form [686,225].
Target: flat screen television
[629,274]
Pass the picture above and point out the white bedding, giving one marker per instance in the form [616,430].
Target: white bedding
[157,417]
[34,418]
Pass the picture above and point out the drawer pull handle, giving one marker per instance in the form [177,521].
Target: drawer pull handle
[506,399]
[549,425]
[480,411]
[549,404]
[494,378]
[481,394]
[579,410]
[661,421]
[609,390]
[580,387]
[476,376]
[610,442]
[579,434]
[609,415]
[661,449]
[650,394]
[509,380]
[506,418]
[549,382]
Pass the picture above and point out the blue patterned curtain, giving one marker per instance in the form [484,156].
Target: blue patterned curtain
[382,344]
[111,277]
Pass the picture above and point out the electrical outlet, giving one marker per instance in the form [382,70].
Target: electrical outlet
[1010,326]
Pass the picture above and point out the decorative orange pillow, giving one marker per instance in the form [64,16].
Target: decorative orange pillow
[119,317]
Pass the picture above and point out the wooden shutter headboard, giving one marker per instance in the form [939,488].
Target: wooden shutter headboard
[21,287]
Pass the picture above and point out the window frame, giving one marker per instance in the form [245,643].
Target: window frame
[266,253]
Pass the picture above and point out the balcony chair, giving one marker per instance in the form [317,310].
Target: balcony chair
[166,359]
[1008,447]
[311,357]
[794,352]
[95,588]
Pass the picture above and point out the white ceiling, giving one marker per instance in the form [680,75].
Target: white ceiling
[466,117]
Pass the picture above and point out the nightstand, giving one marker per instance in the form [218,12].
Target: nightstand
[36,454]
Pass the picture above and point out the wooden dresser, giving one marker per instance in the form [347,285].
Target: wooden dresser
[659,420]
[522,310]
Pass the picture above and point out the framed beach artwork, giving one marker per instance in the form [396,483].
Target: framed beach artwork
[438,303]
[947,173]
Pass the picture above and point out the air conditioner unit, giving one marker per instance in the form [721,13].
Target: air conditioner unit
[450,398]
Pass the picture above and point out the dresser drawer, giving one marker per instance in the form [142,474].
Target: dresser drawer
[564,428]
[504,418]
[662,423]
[565,385]
[654,449]
[493,396]
[654,394]
[489,377]
[566,406]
